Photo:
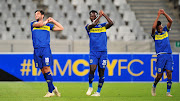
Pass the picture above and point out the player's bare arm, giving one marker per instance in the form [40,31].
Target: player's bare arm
[110,22]
[40,23]
[95,22]
[58,26]
[168,18]
[155,22]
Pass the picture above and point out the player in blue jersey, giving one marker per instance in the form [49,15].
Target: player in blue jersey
[41,42]
[163,50]
[98,48]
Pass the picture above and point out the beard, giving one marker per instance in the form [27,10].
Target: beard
[37,19]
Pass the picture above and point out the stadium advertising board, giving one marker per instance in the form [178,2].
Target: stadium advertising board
[75,67]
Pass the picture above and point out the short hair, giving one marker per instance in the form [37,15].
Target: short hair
[158,23]
[93,11]
[41,11]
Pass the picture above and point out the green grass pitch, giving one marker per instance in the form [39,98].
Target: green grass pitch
[29,91]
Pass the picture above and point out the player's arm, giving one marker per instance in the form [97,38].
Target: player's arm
[40,24]
[168,18]
[110,22]
[155,23]
[57,25]
[95,22]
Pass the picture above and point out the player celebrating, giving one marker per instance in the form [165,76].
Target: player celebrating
[42,53]
[163,51]
[98,48]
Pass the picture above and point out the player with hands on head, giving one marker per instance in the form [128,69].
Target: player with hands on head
[163,50]
[98,48]
[42,52]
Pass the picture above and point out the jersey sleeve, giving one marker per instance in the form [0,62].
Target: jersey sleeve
[32,22]
[153,35]
[87,29]
[166,29]
[50,25]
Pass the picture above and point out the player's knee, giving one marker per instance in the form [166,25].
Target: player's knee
[92,71]
[42,70]
[46,69]
[101,73]
[159,76]
[169,74]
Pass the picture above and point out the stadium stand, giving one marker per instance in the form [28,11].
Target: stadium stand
[133,20]
[146,12]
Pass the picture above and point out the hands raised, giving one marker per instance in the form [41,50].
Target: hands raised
[161,11]
[50,19]
[101,13]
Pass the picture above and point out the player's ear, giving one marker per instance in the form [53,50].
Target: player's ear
[43,16]
[96,14]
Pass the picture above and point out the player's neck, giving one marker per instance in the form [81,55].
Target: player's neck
[40,20]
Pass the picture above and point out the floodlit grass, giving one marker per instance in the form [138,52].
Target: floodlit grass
[31,91]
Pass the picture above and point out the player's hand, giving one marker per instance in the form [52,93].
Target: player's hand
[162,11]
[50,19]
[159,12]
[45,22]
[101,13]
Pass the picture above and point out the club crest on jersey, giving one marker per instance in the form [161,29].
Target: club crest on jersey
[47,59]
[91,60]
[100,26]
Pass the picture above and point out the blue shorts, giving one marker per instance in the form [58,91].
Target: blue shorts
[164,62]
[43,57]
[98,58]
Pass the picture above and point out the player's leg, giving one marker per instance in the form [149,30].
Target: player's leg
[101,68]
[101,81]
[153,90]
[101,78]
[169,69]
[48,78]
[46,70]
[51,88]
[91,78]
[47,61]
[160,64]
[93,65]
[91,74]
[39,64]
[158,77]
[169,82]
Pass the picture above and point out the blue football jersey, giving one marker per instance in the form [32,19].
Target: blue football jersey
[162,44]
[98,37]
[41,35]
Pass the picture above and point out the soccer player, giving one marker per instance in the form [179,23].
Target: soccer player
[163,50]
[98,48]
[41,42]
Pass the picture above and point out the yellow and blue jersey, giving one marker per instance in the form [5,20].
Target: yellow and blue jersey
[41,35]
[162,44]
[98,37]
